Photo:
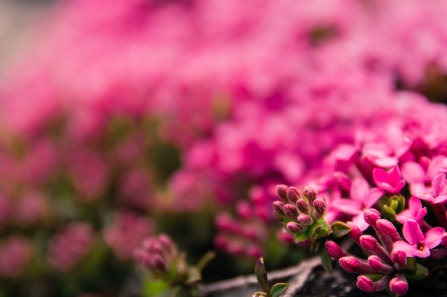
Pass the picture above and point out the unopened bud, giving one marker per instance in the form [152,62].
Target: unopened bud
[166,242]
[310,194]
[375,263]
[350,264]
[399,257]
[334,250]
[365,284]
[158,263]
[293,195]
[342,180]
[281,191]
[290,211]
[302,206]
[371,216]
[305,219]
[294,227]
[398,286]
[387,228]
[368,242]
[355,232]
[278,209]
[319,208]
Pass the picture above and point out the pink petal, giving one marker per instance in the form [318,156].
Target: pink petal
[413,172]
[386,162]
[360,222]
[359,189]
[422,254]
[412,232]
[440,199]
[380,176]
[347,206]
[407,248]
[415,204]
[394,176]
[373,196]
[437,183]
[437,165]
[433,237]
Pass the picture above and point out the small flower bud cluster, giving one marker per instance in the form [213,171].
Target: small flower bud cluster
[14,256]
[243,237]
[121,240]
[301,213]
[384,258]
[70,246]
[158,254]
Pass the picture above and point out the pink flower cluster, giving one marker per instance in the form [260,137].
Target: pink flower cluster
[251,93]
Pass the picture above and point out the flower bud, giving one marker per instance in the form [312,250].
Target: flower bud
[334,250]
[319,208]
[278,209]
[368,242]
[166,242]
[355,232]
[302,206]
[387,228]
[365,284]
[294,227]
[398,286]
[350,264]
[371,216]
[342,180]
[399,257]
[293,195]
[310,193]
[158,263]
[281,191]
[290,211]
[305,219]
[375,263]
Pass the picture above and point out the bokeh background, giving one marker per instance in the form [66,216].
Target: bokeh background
[120,120]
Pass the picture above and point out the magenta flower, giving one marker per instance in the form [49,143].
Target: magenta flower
[362,197]
[418,244]
[415,211]
[390,181]
[437,194]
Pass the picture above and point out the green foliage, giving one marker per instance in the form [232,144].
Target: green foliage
[261,275]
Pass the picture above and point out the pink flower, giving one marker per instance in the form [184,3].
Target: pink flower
[414,211]
[436,194]
[418,244]
[362,197]
[391,181]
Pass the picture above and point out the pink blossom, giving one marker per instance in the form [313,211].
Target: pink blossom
[361,197]
[437,194]
[390,181]
[413,212]
[418,244]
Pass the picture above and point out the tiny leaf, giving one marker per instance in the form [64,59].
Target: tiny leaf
[340,229]
[261,275]
[193,276]
[300,237]
[259,294]
[326,260]
[279,289]
[205,260]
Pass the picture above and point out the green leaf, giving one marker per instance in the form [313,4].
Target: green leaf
[259,294]
[261,275]
[340,229]
[205,260]
[279,289]
[420,273]
[320,228]
[153,288]
[326,260]
[300,237]
[193,275]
